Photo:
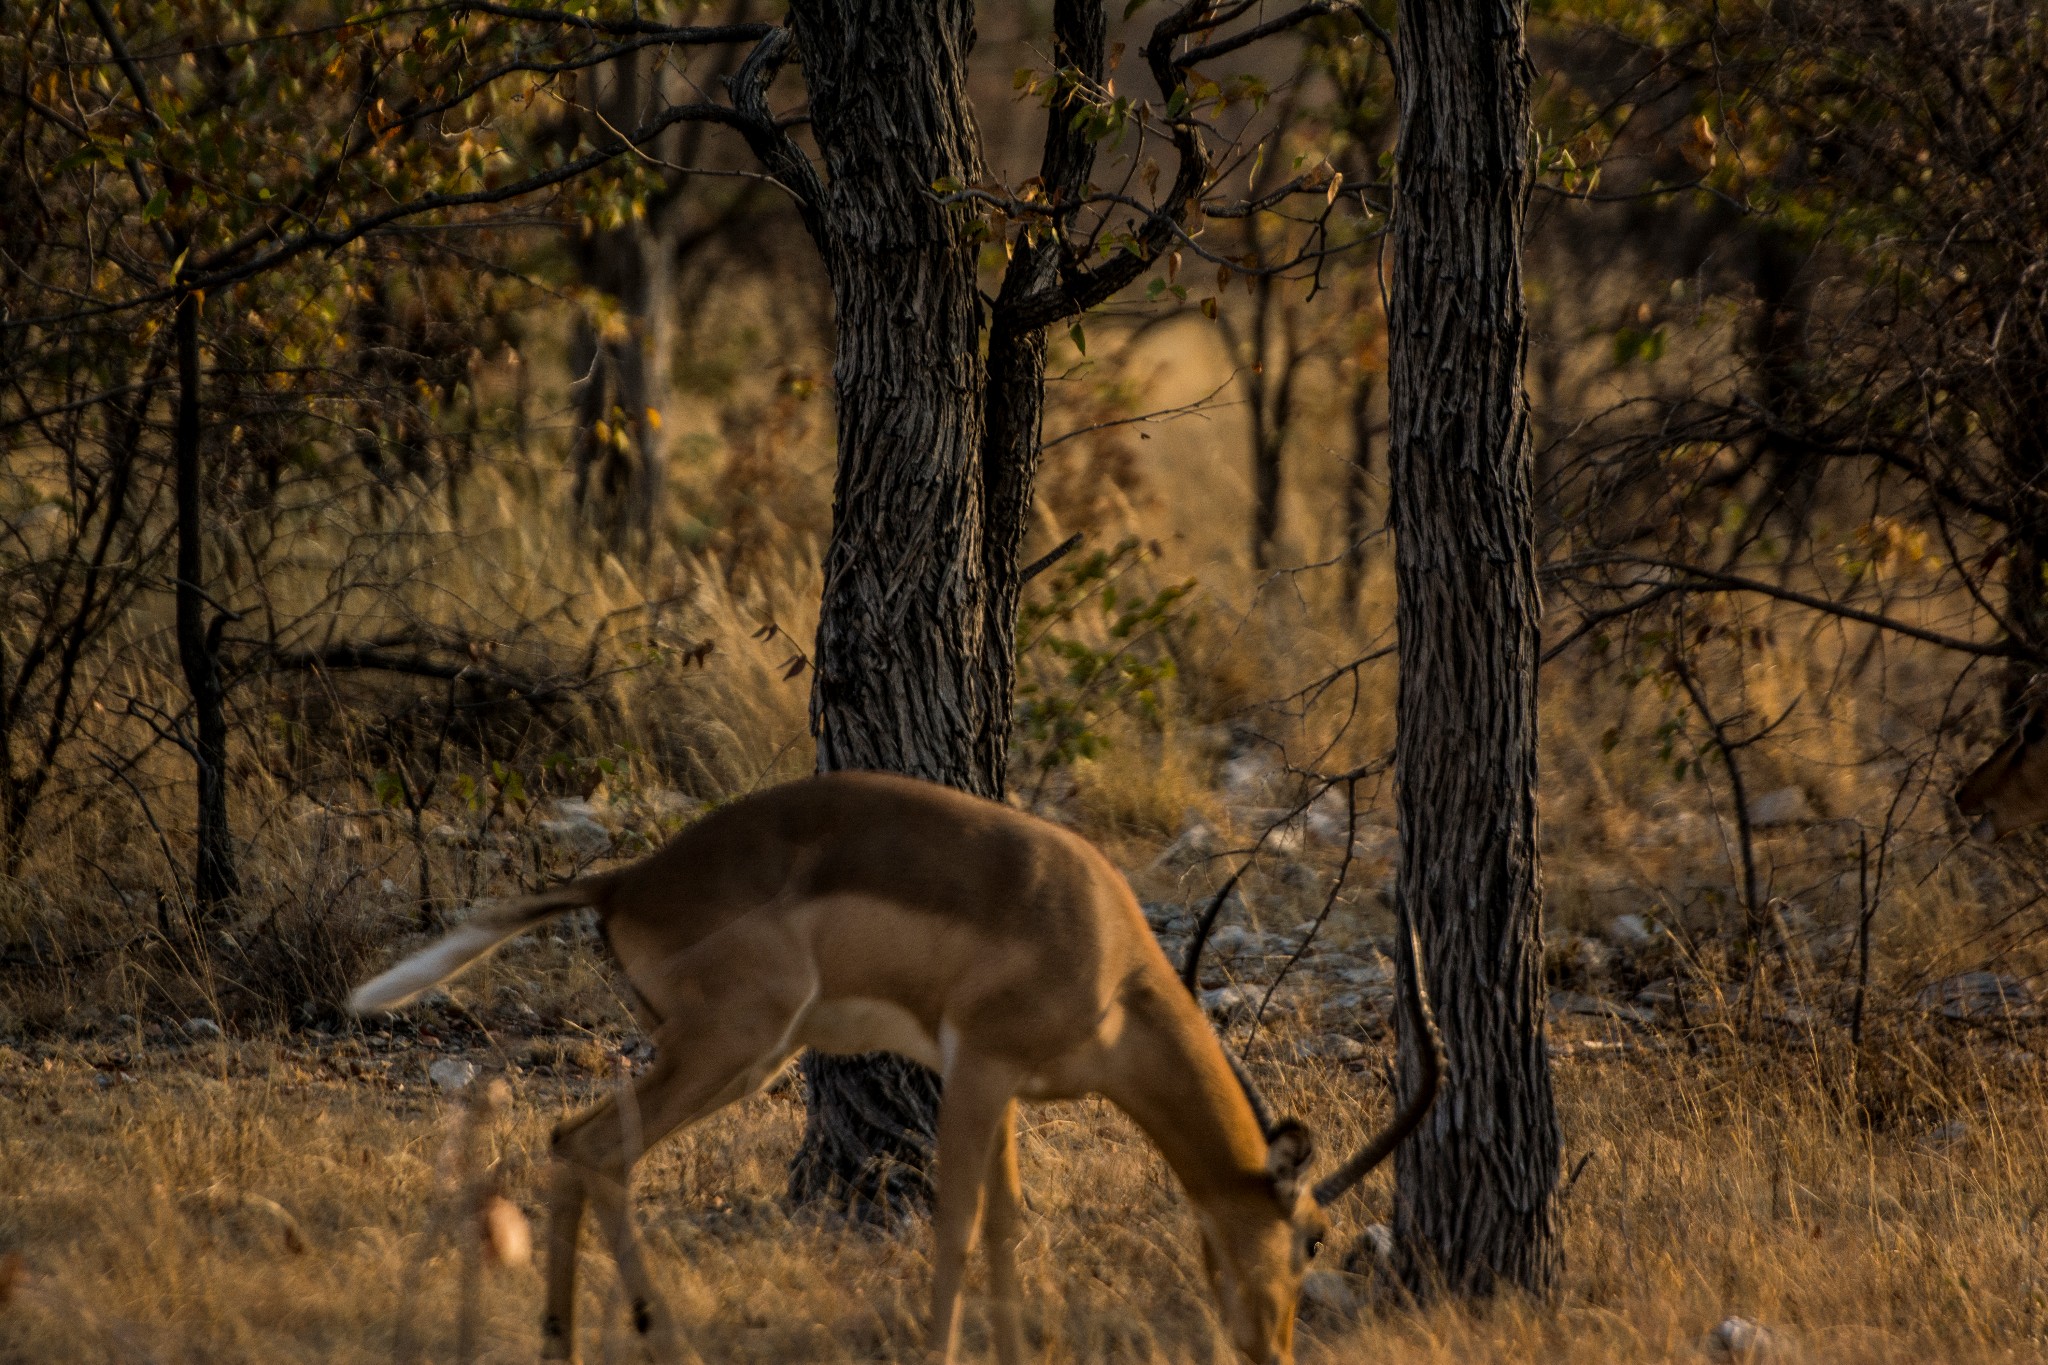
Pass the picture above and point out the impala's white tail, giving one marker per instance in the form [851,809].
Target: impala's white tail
[452,953]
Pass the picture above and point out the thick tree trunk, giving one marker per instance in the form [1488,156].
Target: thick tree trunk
[1476,1182]
[902,670]
[214,878]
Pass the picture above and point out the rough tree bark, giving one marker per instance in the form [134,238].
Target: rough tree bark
[1014,403]
[214,878]
[1475,1183]
[901,681]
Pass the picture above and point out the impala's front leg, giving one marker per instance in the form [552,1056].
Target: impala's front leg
[975,1103]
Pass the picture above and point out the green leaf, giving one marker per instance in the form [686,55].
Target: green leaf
[1079,338]
[154,209]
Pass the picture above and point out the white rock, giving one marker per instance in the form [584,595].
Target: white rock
[1376,1000]
[1746,1340]
[1377,1241]
[1631,933]
[578,833]
[1785,806]
[202,1027]
[1379,972]
[1329,1291]
[1234,940]
[1250,775]
[1196,841]
[1226,1001]
[1327,820]
[1376,844]
[451,1075]
[1164,914]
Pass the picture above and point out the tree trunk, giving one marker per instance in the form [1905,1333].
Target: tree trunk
[617,448]
[1014,402]
[1475,1183]
[1358,493]
[902,671]
[214,878]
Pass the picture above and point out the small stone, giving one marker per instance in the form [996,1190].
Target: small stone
[1378,972]
[1377,1241]
[1785,806]
[451,1075]
[202,1027]
[1630,933]
[1329,1291]
[1164,914]
[578,833]
[1376,844]
[1227,1001]
[1742,1339]
[1250,775]
[1234,940]
[1947,1135]
[1976,995]
[1196,841]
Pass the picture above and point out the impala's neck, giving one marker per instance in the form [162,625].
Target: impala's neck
[1175,1083]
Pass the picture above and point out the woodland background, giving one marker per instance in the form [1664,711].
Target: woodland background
[514,469]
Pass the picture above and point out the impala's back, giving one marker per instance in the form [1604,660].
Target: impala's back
[895,909]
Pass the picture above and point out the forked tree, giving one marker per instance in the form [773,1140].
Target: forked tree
[939,427]
[1475,1183]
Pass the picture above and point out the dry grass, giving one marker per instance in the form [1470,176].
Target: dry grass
[1709,1188]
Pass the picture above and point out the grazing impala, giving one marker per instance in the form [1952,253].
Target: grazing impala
[858,912]
[2008,791]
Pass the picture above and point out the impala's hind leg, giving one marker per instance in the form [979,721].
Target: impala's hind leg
[701,1065]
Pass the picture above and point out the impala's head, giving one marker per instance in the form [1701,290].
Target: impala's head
[1257,1248]
[1258,1242]
[2008,791]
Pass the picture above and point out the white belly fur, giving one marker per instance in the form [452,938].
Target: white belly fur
[857,1024]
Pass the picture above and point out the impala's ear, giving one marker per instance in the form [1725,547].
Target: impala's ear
[1287,1155]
